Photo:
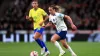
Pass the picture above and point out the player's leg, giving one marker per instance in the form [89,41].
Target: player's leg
[64,43]
[36,37]
[44,49]
[54,39]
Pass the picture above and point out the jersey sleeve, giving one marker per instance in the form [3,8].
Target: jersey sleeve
[44,13]
[61,15]
[30,13]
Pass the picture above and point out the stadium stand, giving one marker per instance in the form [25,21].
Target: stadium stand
[85,13]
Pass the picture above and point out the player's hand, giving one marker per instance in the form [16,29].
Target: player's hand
[48,24]
[27,17]
[73,27]
[40,23]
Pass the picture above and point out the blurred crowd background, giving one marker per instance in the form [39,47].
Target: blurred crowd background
[84,13]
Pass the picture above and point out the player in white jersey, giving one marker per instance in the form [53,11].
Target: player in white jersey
[58,20]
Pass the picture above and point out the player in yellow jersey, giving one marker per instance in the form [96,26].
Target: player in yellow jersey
[36,14]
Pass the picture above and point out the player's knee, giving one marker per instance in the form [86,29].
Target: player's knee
[35,37]
[52,40]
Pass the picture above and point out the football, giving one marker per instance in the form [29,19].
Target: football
[34,53]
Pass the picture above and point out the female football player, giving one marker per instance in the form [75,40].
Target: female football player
[58,20]
[36,14]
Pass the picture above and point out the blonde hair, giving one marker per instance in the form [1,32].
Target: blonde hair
[56,8]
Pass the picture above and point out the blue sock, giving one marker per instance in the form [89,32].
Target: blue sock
[44,46]
[39,42]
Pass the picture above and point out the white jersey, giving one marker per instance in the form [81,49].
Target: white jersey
[58,21]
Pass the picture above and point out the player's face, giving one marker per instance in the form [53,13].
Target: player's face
[34,4]
[51,10]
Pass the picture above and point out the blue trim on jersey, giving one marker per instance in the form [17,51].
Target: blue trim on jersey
[62,34]
[40,30]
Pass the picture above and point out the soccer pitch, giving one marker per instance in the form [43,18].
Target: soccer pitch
[24,49]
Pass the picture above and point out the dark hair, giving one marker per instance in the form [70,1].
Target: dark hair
[54,7]
[35,1]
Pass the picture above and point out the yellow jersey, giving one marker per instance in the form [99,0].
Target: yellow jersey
[37,16]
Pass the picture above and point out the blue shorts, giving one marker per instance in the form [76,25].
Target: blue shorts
[62,34]
[40,30]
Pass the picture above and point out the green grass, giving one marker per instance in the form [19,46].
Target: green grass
[23,49]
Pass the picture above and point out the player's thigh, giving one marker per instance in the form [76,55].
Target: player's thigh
[37,35]
[41,37]
[55,37]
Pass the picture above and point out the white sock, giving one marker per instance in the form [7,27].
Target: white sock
[58,46]
[69,48]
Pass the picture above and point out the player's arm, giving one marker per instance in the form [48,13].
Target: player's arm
[71,22]
[45,19]
[48,24]
[29,17]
